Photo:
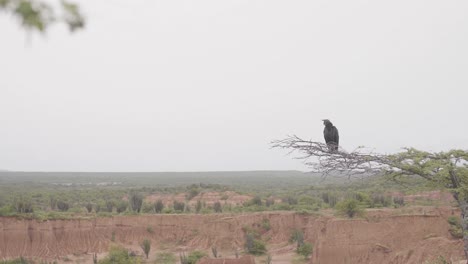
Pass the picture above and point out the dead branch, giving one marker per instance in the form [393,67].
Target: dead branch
[320,159]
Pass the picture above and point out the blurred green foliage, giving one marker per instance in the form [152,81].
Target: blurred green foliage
[118,254]
[455,226]
[349,207]
[39,15]
[305,250]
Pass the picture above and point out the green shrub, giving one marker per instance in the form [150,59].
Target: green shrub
[255,201]
[305,250]
[198,206]
[63,206]
[179,206]
[453,220]
[297,236]
[266,224]
[254,246]
[455,227]
[399,201]
[195,256]
[331,198]
[146,247]
[158,206]
[6,210]
[23,205]
[89,207]
[121,206]
[118,254]
[135,201]
[363,199]
[217,207]
[349,207]
[110,205]
[150,229]
[380,200]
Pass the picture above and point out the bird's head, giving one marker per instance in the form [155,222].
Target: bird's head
[327,122]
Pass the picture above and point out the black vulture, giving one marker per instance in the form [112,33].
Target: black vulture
[330,132]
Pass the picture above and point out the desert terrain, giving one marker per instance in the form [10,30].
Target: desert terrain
[393,224]
[410,235]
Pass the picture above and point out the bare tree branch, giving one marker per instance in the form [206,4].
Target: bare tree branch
[320,159]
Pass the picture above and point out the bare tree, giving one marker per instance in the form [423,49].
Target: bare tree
[447,170]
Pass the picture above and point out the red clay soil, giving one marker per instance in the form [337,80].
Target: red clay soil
[385,236]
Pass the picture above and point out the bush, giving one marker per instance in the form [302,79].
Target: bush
[455,227]
[255,201]
[63,206]
[146,247]
[198,207]
[195,256]
[363,199]
[380,200]
[119,255]
[192,258]
[158,206]
[135,201]
[349,207]
[89,207]
[266,224]
[6,210]
[254,246]
[23,205]
[121,206]
[179,206]
[53,202]
[330,198]
[399,200]
[305,250]
[297,236]
[110,205]
[269,202]
[217,207]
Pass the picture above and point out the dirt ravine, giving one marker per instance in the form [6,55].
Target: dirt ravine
[384,236]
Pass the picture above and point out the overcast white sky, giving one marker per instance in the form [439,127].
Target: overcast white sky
[154,85]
